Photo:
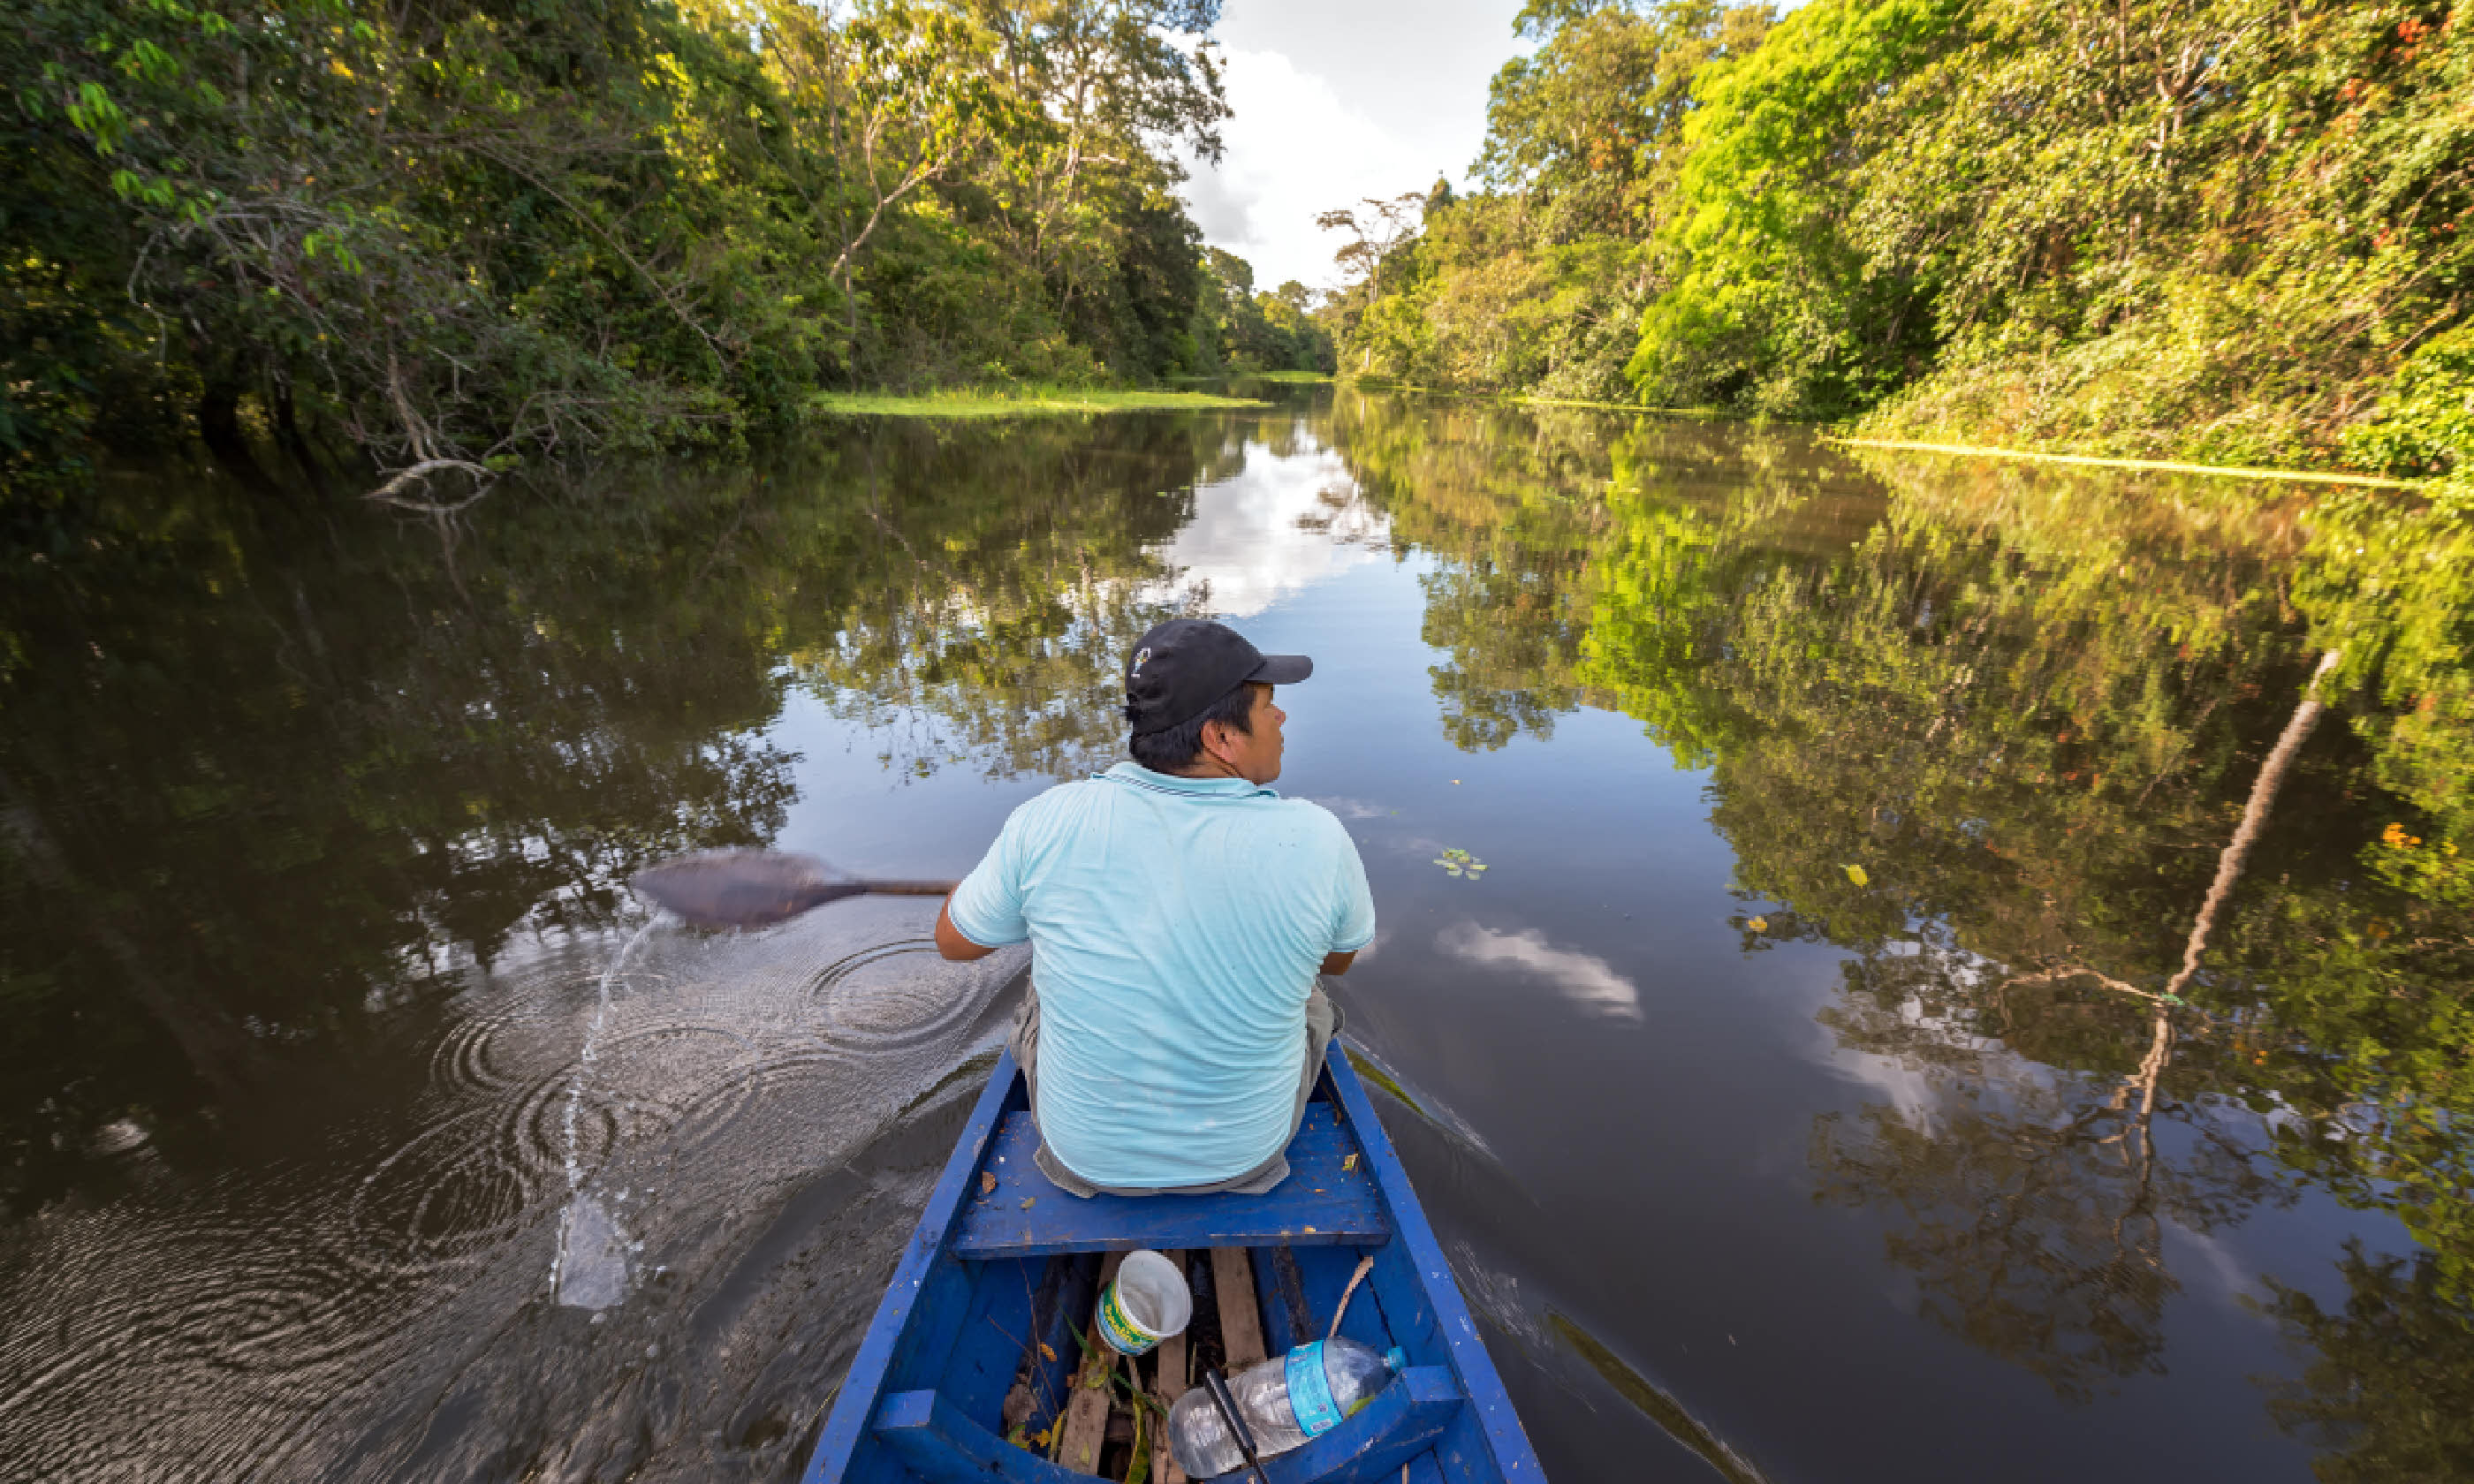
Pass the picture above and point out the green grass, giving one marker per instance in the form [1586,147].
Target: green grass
[1016,402]
[1285,376]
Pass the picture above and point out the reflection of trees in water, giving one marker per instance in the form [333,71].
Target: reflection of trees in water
[1002,645]
[2029,707]
[2386,1389]
[1014,687]
[268,781]
[1507,503]
[2034,1210]
[2030,1201]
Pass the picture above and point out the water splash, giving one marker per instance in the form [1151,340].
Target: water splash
[590,1269]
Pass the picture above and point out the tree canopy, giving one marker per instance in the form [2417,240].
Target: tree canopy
[472,234]
[2230,232]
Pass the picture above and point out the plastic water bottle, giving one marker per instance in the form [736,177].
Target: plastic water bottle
[1301,1394]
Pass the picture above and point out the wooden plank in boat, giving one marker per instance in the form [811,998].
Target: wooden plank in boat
[1170,1384]
[1086,1410]
[1240,1322]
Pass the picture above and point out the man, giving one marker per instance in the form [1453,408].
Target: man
[1178,912]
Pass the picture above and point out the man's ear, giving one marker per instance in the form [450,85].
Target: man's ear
[1214,738]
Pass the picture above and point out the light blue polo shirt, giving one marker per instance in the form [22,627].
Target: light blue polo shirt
[1176,927]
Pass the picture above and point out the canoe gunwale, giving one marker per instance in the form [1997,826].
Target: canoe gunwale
[846,1428]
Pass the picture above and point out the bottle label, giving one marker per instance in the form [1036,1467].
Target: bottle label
[1310,1391]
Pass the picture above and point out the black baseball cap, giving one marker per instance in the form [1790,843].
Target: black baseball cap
[1179,668]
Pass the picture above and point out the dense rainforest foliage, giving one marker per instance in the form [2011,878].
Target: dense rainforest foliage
[2238,231]
[486,231]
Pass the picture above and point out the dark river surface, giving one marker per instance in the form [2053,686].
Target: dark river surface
[1792,1092]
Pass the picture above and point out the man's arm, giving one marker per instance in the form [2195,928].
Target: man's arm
[1334,964]
[952,944]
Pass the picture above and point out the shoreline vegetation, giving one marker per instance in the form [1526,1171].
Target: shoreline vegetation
[408,250]
[1833,432]
[1021,402]
[2229,234]
[344,246]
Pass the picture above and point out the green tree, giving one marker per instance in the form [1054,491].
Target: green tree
[1773,308]
[449,239]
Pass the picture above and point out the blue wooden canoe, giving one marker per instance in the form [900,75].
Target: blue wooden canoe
[999,1280]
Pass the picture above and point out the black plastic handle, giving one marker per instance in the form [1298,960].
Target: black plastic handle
[1228,1405]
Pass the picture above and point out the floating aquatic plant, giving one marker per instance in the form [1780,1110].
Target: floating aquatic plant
[1462,864]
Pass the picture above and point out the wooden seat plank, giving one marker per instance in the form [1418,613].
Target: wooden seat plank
[1331,1196]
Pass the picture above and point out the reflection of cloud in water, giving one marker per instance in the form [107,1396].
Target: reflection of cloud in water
[2218,1259]
[1585,978]
[1907,1089]
[1280,525]
[1351,808]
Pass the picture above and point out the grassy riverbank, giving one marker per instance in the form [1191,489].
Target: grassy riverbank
[1017,402]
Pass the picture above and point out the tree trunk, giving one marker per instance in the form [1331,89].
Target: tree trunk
[219,429]
[287,429]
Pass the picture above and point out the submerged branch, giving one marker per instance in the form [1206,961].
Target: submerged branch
[392,492]
[2262,794]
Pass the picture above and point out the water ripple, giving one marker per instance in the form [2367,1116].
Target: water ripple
[378,1311]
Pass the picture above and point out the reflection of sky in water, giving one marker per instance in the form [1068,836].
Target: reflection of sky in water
[1633,1119]
[1277,527]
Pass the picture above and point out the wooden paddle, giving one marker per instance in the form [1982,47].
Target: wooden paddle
[751,888]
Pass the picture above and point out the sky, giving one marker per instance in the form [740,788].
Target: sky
[1337,100]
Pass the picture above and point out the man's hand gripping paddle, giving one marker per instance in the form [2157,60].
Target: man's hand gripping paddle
[750,888]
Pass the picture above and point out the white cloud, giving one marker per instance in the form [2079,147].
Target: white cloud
[1584,977]
[1333,103]
[1294,149]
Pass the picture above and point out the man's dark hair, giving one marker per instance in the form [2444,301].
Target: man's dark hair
[1167,752]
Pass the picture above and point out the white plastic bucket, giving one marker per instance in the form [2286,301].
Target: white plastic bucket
[1146,1303]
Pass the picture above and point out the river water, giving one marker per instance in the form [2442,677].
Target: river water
[1792,1090]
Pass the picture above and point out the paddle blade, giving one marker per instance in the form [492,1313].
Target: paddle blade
[741,888]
